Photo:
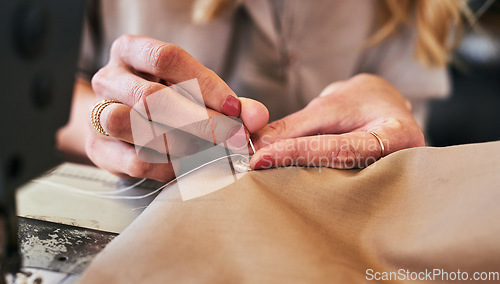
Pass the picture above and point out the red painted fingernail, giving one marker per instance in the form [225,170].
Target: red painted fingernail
[238,137]
[264,163]
[231,106]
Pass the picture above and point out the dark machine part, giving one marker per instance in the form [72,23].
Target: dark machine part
[39,43]
[58,247]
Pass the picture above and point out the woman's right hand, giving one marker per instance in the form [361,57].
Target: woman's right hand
[137,75]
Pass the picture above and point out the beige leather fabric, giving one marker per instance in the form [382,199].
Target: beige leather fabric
[416,209]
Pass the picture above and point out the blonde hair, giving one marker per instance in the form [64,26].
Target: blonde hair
[438,23]
[206,10]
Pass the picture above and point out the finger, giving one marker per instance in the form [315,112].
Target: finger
[291,126]
[334,119]
[173,64]
[371,99]
[323,115]
[116,121]
[397,134]
[120,158]
[161,104]
[308,121]
[253,114]
[352,150]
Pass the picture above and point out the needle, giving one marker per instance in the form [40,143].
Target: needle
[251,145]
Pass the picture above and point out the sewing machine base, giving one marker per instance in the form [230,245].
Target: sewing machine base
[59,248]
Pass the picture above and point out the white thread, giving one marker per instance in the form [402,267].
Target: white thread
[139,208]
[105,195]
[125,188]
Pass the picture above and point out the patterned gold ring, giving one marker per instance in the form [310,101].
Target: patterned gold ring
[95,115]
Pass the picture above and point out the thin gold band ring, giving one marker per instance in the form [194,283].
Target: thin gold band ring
[382,148]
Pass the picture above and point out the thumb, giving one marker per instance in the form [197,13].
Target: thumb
[253,114]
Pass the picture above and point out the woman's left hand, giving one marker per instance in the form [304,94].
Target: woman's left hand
[333,130]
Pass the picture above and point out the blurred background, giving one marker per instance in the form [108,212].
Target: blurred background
[472,112]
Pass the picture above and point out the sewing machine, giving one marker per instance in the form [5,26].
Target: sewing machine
[38,50]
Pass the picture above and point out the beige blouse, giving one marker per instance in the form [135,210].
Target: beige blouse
[282,53]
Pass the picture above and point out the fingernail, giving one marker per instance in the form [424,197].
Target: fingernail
[263,163]
[238,137]
[231,106]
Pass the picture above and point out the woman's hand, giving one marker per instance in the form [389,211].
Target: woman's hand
[136,75]
[333,130]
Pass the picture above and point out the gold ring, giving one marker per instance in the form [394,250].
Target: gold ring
[95,115]
[382,148]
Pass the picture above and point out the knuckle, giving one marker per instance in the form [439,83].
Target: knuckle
[167,173]
[207,83]
[420,138]
[90,146]
[331,89]
[367,78]
[206,129]
[278,127]
[98,81]
[347,156]
[286,152]
[416,137]
[319,101]
[91,149]
[295,155]
[407,134]
[115,47]
[140,91]
[363,77]
[164,57]
[122,40]
[137,168]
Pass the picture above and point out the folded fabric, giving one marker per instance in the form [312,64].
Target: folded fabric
[416,210]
